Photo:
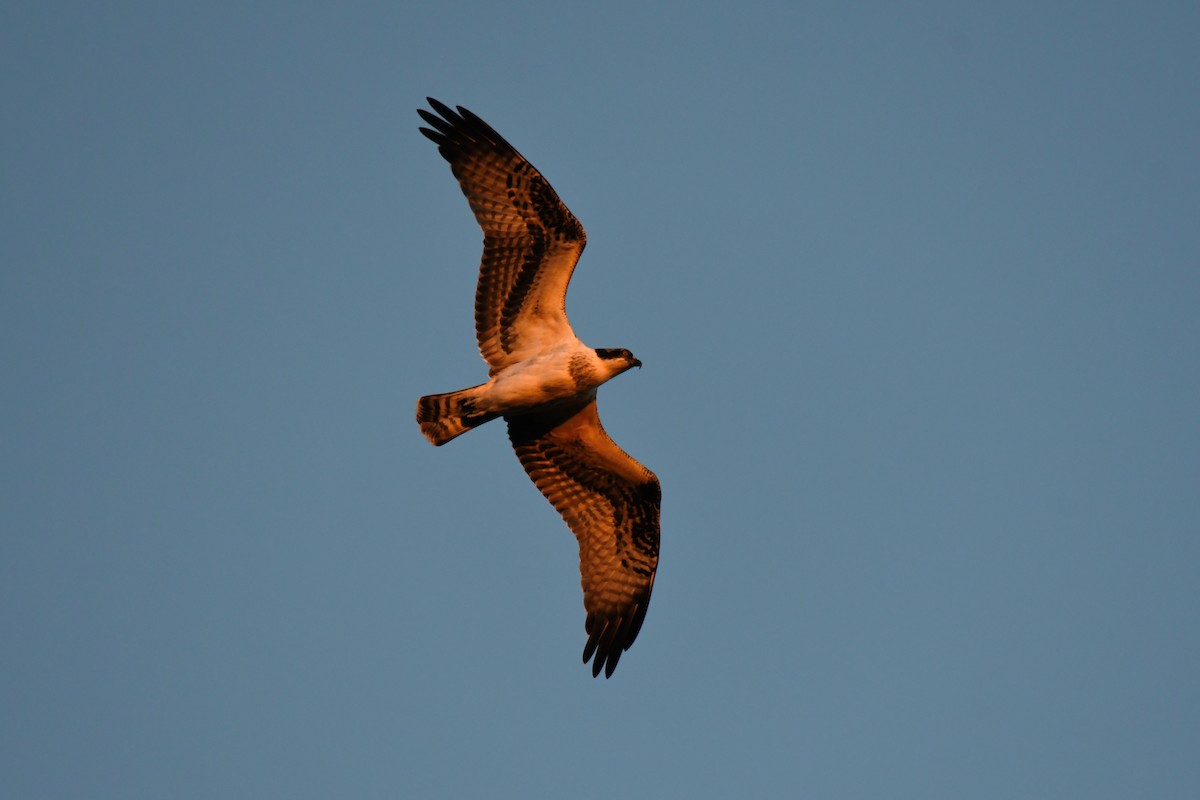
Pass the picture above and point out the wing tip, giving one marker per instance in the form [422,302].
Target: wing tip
[608,638]
[440,108]
[462,127]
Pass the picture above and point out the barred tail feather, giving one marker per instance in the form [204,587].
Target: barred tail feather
[444,416]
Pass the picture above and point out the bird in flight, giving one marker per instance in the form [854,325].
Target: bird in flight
[543,380]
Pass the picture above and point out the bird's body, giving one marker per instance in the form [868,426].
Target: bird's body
[543,380]
[563,372]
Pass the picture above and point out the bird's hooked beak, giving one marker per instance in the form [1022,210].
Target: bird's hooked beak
[637,363]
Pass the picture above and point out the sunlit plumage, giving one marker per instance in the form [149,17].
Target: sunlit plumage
[543,380]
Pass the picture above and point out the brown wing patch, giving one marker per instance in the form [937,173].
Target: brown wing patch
[611,503]
[531,241]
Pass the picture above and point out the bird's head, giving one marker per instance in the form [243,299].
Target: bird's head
[617,359]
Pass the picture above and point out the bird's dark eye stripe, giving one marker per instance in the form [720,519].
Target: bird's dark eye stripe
[609,352]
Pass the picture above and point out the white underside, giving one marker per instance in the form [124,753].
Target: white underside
[539,381]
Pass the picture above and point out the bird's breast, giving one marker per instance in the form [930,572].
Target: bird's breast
[540,381]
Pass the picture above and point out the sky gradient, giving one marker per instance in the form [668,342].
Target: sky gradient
[916,292]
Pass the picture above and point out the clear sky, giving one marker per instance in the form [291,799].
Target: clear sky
[917,290]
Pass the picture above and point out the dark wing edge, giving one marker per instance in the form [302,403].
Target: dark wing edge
[611,503]
[456,133]
[531,240]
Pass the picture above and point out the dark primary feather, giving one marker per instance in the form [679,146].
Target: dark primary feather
[531,241]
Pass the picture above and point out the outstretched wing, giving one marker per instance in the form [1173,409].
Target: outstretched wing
[611,503]
[531,241]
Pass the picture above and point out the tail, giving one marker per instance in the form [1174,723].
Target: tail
[445,416]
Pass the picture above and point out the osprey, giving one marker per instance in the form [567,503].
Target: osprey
[543,380]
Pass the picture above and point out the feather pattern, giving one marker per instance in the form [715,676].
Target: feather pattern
[611,503]
[531,241]
[543,380]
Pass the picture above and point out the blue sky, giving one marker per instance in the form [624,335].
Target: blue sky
[916,291]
